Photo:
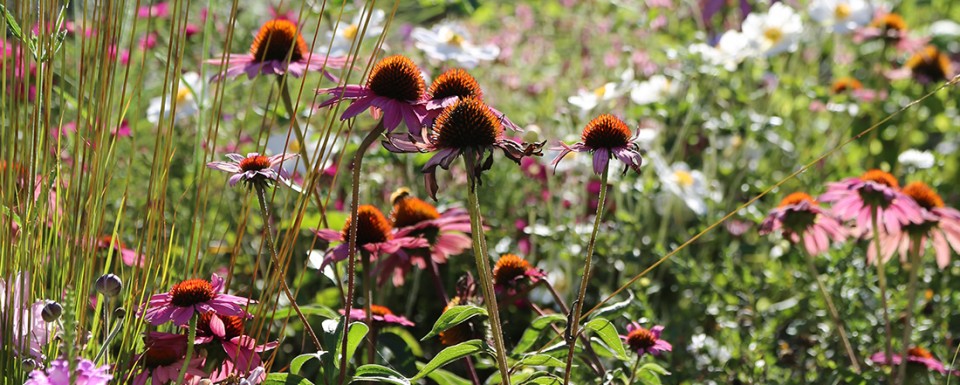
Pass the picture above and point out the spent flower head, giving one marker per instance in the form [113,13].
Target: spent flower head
[606,136]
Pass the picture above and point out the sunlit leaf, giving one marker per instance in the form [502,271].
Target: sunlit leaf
[449,355]
[453,317]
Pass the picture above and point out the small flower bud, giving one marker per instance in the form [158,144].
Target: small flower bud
[119,312]
[51,311]
[531,134]
[29,364]
[109,285]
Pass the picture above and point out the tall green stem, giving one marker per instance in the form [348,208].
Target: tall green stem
[915,245]
[882,282]
[484,274]
[352,241]
[191,335]
[838,323]
[262,199]
[574,320]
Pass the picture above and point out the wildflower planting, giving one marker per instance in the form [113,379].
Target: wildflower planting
[473,192]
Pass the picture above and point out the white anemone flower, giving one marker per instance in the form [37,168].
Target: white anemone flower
[655,89]
[449,41]
[188,93]
[841,16]
[773,32]
[587,100]
[729,52]
[346,32]
[691,186]
[916,159]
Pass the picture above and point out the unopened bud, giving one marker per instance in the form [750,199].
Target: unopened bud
[531,134]
[119,312]
[109,285]
[51,311]
[29,364]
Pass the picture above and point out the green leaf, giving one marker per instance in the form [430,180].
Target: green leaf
[316,310]
[614,306]
[441,376]
[545,380]
[401,357]
[530,335]
[297,363]
[650,366]
[285,379]
[449,355]
[608,334]
[540,360]
[377,373]
[358,330]
[12,23]
[453,317]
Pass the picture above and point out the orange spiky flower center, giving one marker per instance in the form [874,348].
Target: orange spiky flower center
[466,124]
[409,211]
[191,292]
[606,131]
[157,356]
[508,268]
[923,195]
[105,242]
[255,163]
[372,226]
[796,198]
[917,351]
[275,40]
[930,63]
[380,310]
[456,334]
[846,83]
[881,177]
[232,325]
[455,82]
[641,338]
[890,22]
[396,77]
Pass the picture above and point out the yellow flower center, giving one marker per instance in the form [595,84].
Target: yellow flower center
[683,178]
[351,31]
[600,91]
[183,95]
[842,12]
[455,39]
[773,34]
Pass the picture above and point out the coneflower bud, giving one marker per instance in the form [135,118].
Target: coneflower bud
[119,312]
[109,285]
[51,311]
[29,364]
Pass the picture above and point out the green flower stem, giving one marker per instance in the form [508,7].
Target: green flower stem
[882,282]
[915,245]
[352,241]
[367,305]
[834,314]
[191,336]
[633,372]
[268,236]
[484,274]
[574,320]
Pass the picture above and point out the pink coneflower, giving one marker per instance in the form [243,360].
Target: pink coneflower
[278,49]
[160,10]
[193,296]
[643,341]
[29,333]
[930,65]
[467,128]
[254,168]
[940,228]
[394,89]
[164,357]
[606,136]
[446,235]
[451,86]
[128,255]
[60,372]
[800,216]
[374,236]
[242,350]
[512,274]
[381,315]
[915,355]
[858,198]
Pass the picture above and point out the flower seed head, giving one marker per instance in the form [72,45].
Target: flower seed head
[396,77]
[109,285]
[923,195]
[372,226]
[796,198]
[191,292]
[455,82]
[232,325]
[157,356]
[890,22]
[881,177]
[845,84]
[468,123]
[274,41]
[509,267]
[51,311]
[930,64]
[919,352]
[641,338]
[606,131]
[409,211]
[255,163]
[380,310]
